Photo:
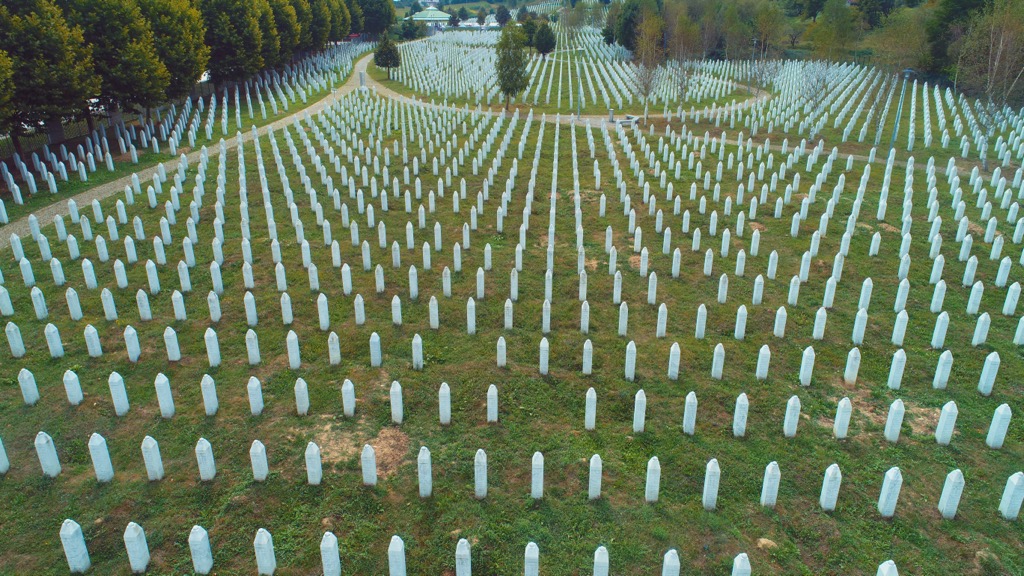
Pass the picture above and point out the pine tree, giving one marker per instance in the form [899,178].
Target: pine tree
[355,13]
[270,38]
[321,24]
[341,20]
[304,13]
[6,92]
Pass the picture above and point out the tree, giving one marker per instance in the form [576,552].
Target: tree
[993,64]
[684,43]
[502,16]
[270,39]
[544,40]
[341,20]
[769,22]
[901,41]
[178,33]
[355,14]
[410,30]
[378,15]
[647,55]
[234,37]
[387,55]
[510,66]
[463,13]
[321,29]
[794,30]
[835,30]
[453,20]
[529,29]
[628,21]
[523,14]
[53,65]
[481,17]
[6,92]
[287,28]
[124,52]
[415,7]
[304,15]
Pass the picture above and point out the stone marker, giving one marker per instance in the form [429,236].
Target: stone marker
[712,476]
[770,485]
[330,556]
[258,459]
[100,456]
[314,465]
[741,565]
[199,547]
[424,472]
[151,457]
[952,489]
[890,494]
[601,561]
[480,475]
[138,549]
[46,452]
[75,551]
[537,476]
[1013,495]
[263,545]
[396,557]
[204,459]
[830,488]
[463,559]
[531,565]
[594,484]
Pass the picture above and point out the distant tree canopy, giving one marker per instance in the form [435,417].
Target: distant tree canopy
[62,60]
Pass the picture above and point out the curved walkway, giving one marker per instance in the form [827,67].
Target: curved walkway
[46,214]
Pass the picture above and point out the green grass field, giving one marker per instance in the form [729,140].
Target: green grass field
[537,413]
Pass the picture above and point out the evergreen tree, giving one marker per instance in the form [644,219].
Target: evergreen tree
[529,29]
[544,39]
[481,17]
[387,55]
[178,34]
[511,63]
[234,37]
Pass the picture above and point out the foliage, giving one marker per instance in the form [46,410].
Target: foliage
[415,7]
[124,55]
[6,91]
[453,20]
[304,15]
[355,13]
[529,29]
[481,17]
[544,39]
[410,30]
[378,15]
[993,53]
[502,16]
[510,66]
[178,33]
[835,30]
[341,20]
[270,39]
[901,40]
[233,35]
[52,62]
[387,55]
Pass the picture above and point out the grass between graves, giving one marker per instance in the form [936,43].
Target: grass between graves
[123,166]
[537,413]
[591,109]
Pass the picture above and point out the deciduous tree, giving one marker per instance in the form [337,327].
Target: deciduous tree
[544,39]
[511,63]
[179,36]
[387,55]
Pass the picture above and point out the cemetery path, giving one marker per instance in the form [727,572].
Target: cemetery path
[46,214]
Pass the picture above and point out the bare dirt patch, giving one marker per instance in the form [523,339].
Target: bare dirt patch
[634,261]
[590,264]
[888,227]
[756,226]
[391,446]
[922,420]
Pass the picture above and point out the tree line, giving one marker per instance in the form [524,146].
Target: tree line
[974,45]
[63,60]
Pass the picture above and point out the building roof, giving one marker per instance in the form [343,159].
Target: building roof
[431,15]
